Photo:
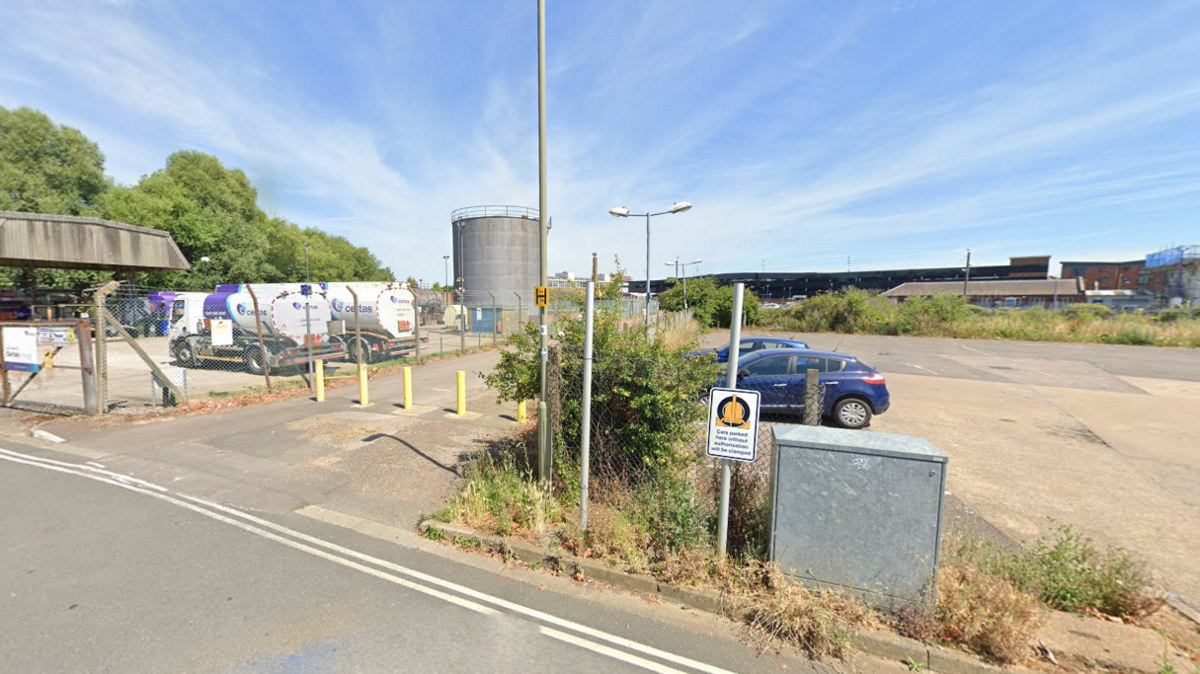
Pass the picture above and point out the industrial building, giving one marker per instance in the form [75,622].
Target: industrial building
[1130,275]
[996,294]
[784,285]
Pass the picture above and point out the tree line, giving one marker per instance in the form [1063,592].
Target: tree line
[209,209]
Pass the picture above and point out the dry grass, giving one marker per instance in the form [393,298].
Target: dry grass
[985,612]
[679,330]
[821,623]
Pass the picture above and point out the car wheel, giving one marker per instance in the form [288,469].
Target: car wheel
[852,413]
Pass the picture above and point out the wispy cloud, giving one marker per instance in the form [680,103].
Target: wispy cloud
[802,132]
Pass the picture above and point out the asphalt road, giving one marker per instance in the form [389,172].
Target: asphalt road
[100,573]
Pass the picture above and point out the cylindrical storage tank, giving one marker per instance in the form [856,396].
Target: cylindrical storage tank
[497,250]
[382,307]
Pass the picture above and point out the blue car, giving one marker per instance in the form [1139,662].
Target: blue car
[752,344]
[853,391]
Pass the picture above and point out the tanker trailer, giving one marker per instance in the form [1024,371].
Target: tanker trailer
[295,326]
[386,317]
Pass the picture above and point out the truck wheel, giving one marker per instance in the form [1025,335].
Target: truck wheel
[352,354]
[185,354]
[254,361]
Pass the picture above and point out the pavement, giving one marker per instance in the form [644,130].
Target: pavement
[1100,437]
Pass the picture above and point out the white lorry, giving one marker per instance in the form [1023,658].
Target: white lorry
[386,314]
[295,322]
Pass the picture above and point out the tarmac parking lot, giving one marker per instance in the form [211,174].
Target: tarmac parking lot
[1101,437]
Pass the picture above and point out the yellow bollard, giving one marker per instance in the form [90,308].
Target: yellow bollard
[462,392]
[522,416]
[408,401]
[319,378]
[363,397]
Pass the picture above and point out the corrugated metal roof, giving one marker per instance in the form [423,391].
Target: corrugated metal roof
[1016,288]
[68,242]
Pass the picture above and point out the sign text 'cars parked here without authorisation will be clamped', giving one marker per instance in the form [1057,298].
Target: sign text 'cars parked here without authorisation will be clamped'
[733,424]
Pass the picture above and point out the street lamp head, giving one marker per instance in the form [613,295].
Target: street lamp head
[680,206]
[619,211]
[205,259]
[696,261]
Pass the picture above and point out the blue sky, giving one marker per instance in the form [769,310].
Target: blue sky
[896,132]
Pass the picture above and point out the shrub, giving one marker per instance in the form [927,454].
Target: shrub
[499,495]
[710,302]
[1071,574]
[1086,312]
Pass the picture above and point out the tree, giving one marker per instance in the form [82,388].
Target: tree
[46,168]
[712,304]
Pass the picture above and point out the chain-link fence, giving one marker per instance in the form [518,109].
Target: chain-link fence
[162,347]
[47,366]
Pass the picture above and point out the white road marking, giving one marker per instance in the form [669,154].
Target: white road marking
[94,464]
[89,468]
[195,504]
[38,462]
[921,368]
[985,353]
[610,652]
[474,594]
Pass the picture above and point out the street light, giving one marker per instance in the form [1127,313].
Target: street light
[622,212]
[446,269]
[679,264]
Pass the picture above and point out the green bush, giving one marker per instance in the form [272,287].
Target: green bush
[644,391]
[711,303]
[1086,312]
[1071,574]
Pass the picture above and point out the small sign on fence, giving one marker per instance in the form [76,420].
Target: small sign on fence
[21,349]
[733,424]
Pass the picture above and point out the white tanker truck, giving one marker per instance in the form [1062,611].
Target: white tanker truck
[386,318]
[295,326]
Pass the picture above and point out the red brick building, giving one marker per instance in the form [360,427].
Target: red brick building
[1131,275]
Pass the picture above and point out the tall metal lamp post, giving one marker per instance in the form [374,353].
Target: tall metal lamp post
[622,212]
[446,266]
[308,315]
[679,264]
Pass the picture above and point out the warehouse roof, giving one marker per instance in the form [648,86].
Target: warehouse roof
[1016,288]
[68,242]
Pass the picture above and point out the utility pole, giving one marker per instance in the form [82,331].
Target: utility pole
[595,269]
[308,317]
[967,278]
[544,439]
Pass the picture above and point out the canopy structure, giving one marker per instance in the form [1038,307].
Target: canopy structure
[68,242]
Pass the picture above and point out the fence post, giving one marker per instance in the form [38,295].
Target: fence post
[495,321]
[520,321]
[7,387]
[417,335]
[812,398]
[86,366]
[735,336]
[462,322]
[358,348]
[102,345]
[262,346]
[585,425]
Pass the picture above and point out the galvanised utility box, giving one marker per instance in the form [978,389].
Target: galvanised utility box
[858,511]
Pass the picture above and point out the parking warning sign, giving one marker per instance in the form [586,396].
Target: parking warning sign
[733,424]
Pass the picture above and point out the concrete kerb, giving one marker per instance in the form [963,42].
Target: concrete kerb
[878,644]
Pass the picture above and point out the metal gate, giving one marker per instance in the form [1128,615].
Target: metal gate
[40,359]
